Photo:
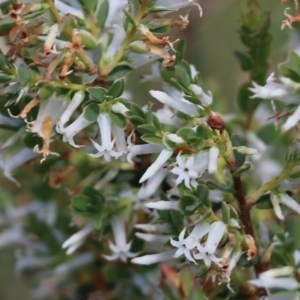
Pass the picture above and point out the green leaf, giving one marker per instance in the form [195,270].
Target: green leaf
[264,202]
[97,220]
[97,54]
[93,194]
[219,186]
[242,169]
[152,139]
[176,218]
[118,119]
[91,112]
[202,194]
[147,129]
[119,72]
[46,91]
[204,131]
[136,121]
[88,79]
[87,40]
[245,263]
[187,133]
[136,110]
[129,17]
[5,78]
[225,213]
[245,60]
[82,205]
[117,89]
[102,13]
[196,294]
[237,141]
[187,204]
[180,51]
[182,76]
[90,5]
[97,93]
[288,72]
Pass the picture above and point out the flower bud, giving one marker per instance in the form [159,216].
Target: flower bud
[216,122]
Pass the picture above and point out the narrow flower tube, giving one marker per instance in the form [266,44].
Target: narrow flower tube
[107,145]
[159,162]
[289,202]
[66,115]
[213,160]
[181,105]
[163,205]
[271,90]
[275,199]
[292,120]
[8,165]
[120,250]
[152,184]
[70,131]
[67,9]
[53,33]
[135,150]
[154,258]
[148,237]
[206,99]
[77,239]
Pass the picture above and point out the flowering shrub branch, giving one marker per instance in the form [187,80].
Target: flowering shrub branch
[173,200]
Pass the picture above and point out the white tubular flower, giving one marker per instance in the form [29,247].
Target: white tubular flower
[119,108]
[190,169]
[213,160]
[66,115]
[215,235]
[292,120]
[10,164]
[77,239]
[135,150]
[149,237]
[155,73]
[49,42]
[114,12]
[276,278]
[179,103]
[271,90]
[206,99]
[183,246]
[153,258]
[121,248]
[49,112]
[167,116]
[67,9]
[199,231]
[163,205]
[283,198]
[152,184]
[120,140]
[118,37]
[153,227]
[70,131]
[290,83]
[176,4]
[275,199]
[107,145]
[75,263]
[159,162]
[174,138]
